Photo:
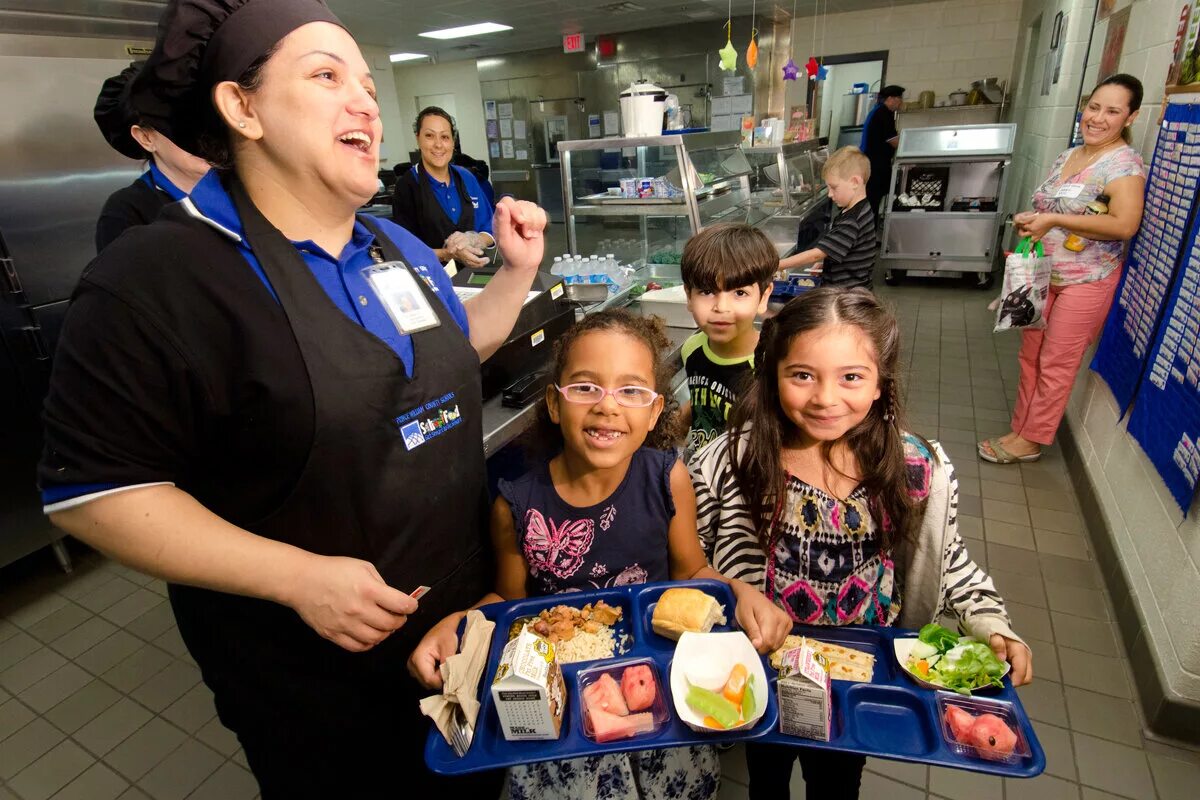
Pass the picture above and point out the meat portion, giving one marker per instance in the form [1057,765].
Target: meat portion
[560,623]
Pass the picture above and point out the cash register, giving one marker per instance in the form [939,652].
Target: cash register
[519,368]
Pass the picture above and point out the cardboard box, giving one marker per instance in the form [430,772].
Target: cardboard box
[805,704]
[528,691]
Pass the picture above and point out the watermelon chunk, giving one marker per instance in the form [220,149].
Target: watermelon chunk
[960,723]
[991,737]
[637,684]
[605,695]
[608,727]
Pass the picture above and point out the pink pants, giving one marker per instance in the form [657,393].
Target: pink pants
[1050,356]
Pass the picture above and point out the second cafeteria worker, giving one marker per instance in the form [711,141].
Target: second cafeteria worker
[250,425]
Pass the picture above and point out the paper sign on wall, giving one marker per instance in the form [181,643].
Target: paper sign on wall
[734,85]
[489,109]
[594,126]
[612,123]
[518,129]
[506,148]
[522,155]
[493,131]
[505,110]
[494,149]
[506,129]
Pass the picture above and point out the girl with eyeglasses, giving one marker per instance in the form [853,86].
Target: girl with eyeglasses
[614,507]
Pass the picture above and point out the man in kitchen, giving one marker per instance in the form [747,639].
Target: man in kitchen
[879,139]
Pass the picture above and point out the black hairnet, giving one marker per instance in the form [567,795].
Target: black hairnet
[204,42]
[114,115]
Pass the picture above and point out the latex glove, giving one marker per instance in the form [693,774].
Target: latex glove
[462,249]
[346,601]
[1015,653]
[519,228]
[765,624]
[435,647]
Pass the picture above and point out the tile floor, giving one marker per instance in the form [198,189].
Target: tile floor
[99,700]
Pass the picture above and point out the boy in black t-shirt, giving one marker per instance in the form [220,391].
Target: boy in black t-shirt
[727,273]
[848,247]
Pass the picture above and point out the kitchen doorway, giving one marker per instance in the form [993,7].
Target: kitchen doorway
[839,112]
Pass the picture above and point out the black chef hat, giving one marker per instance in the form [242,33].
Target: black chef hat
[114,115]
[203,42]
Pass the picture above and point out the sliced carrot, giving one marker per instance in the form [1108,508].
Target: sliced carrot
[735,686]
[712,723]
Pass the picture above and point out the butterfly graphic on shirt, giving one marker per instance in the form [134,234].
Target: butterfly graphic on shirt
[554,548]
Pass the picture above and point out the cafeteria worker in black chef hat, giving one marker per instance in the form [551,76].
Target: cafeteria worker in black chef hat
[171,171]
[262,424]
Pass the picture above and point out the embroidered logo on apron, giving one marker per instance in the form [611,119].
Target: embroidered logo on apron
[429,421]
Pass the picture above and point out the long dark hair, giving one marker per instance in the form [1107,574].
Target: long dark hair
[545,437]
[759,429]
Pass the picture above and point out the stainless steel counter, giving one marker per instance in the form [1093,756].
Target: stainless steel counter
[502,425]
[784,229]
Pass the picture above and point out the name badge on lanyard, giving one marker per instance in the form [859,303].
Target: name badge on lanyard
[396,289]
[1069,191]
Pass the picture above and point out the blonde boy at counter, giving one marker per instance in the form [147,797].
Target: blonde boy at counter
[727,272]
[848,247]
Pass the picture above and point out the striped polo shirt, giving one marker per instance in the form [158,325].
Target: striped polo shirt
[849,247]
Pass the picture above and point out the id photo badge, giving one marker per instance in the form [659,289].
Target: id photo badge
[396,288]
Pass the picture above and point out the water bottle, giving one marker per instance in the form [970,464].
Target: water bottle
[557,269]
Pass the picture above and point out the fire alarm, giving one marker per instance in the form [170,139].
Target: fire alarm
[606,46]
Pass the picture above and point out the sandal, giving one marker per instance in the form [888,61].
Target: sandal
[1001,456]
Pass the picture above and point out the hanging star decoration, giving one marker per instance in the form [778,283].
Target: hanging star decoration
[812,67]
[822,73]
[790,70]
[727,53]
[752,50]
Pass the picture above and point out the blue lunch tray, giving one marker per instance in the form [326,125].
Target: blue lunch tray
[892,717]
[490,750]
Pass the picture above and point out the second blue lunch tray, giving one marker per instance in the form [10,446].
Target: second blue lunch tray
[490,750]
[892,717]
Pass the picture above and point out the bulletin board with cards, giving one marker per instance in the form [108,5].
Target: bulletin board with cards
[1149,353]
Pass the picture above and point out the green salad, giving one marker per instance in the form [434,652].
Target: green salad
[959,663]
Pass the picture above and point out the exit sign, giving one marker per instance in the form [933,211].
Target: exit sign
[573,43]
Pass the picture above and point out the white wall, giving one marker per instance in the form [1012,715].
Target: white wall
[939,46]
[459,78]
[1159,553]
[1145,55]
[389,109]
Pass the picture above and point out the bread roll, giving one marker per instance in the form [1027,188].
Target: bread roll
[680,610]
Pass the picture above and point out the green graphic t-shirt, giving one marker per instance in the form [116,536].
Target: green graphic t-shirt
[714,384]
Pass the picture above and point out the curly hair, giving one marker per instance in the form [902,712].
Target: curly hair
[545,437]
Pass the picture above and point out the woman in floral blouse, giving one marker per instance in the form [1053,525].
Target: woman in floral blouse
[1082,282]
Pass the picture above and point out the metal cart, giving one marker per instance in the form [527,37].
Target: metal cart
[943,215]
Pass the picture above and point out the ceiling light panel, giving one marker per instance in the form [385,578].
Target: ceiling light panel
[467,30]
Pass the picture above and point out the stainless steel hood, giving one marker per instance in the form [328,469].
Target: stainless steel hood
[133,19]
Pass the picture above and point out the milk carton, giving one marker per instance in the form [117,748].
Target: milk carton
[528,690]
[803,691]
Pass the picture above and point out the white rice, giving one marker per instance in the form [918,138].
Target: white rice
[586,646]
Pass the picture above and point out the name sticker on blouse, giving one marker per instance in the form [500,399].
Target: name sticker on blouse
[397,289]
[1069,190]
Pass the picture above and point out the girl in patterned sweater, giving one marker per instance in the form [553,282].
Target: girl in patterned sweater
[817,496]
[614,507]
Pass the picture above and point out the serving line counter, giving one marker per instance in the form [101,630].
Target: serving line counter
[642,198]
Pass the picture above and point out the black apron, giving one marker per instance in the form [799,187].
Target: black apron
[434,224]
[416,509]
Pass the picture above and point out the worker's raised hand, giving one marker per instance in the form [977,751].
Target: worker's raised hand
[346,601]
[519,227]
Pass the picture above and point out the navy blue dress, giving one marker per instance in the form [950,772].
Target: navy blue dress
[620,541]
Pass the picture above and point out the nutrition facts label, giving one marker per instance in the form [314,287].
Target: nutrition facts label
[1154,257]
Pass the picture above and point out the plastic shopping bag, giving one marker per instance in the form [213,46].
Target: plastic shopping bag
[1026,286]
